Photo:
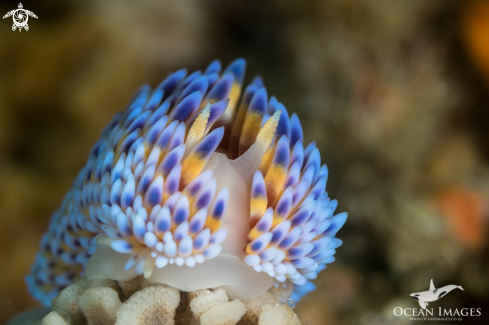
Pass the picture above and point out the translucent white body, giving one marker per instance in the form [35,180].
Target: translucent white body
[227,270]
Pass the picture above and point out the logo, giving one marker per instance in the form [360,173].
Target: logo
[20,17]
[436,314]
[433,294]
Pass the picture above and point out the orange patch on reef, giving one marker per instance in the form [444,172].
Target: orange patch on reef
[466,214]
[475,31]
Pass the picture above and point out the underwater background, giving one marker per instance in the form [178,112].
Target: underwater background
[394,92]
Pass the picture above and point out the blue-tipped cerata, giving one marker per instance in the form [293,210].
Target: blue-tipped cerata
[197,185]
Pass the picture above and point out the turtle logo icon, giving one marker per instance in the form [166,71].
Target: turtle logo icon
[20,17]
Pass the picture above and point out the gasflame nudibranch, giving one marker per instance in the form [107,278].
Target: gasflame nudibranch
[196,185]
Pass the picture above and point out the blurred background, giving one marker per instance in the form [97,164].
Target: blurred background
[396,94]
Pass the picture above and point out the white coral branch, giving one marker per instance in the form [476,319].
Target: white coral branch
[137,302]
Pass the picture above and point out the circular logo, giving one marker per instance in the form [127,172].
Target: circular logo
[20,17]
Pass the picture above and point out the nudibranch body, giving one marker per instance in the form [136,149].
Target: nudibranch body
[195,189]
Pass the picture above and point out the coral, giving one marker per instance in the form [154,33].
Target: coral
[148,304]
[203,300]
[77,301]
[228,313]
[53,318]
[128,288]
[65,303]
[99,305]
[254,307]
[278,315]
[152,305]
[266,309]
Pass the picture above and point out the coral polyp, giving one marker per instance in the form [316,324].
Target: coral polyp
[197,186]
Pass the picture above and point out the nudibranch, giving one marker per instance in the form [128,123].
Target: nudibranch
[192,187]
